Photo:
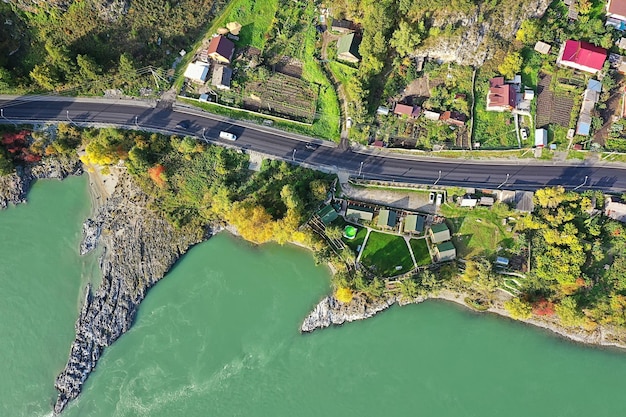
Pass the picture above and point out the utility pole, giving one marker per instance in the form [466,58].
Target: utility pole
[204,137]
[361,168]
[438,178]
[584,182]
[293,157]
[505,181]
[136,123]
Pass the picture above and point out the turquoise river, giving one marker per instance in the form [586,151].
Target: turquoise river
[219,337]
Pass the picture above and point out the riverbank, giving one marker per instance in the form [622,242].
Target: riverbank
[329,311]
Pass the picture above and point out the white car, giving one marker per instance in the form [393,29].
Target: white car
[439,198]
[524,133]
[227,136]
[431,198]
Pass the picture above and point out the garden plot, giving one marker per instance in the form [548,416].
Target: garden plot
[552,108]
[282,95]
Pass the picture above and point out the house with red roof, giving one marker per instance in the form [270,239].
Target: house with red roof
[221,49]
[616,13]
[406,110]
[581,55]
[502,96]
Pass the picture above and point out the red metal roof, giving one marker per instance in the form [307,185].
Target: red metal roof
[222,46]
[584,53]
[617,7]
[501,94]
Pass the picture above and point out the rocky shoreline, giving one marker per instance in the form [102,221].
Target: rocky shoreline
[14,187]
[138,248]
[330,311]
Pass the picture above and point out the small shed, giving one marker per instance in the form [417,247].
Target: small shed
[486,201]
[413,223]
[541,138]
[501,261]
[348,48]
[342,26]
[387,218]
[431,115]
[542,47]
[360,213]
[197,72]
[221,77]
[469,201]
[524,201]
[445,252]
[439,233]
[382,111]
[529,94]
[327,214]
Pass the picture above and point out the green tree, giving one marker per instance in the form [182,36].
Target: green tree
[88,68]
[529,32]
[405,39]
[409,288]
[511,65]
[568,312]
[334,232]
[44,76]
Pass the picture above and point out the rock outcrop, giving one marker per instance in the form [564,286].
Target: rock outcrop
[139,247]
[477,35]
[14,187]
[331,311]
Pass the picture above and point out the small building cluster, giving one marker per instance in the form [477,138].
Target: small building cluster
[440,237]
[349,41]
[215,59]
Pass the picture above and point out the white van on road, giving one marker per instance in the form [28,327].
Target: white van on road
[227,136]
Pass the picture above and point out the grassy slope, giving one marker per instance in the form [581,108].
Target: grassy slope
[384,252]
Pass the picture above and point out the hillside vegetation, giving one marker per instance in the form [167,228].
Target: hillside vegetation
[86,46]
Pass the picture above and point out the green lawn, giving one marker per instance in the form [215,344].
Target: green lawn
[358,239]
[342,73]
[420,251]
[479,231]
[494,130]
[383,252]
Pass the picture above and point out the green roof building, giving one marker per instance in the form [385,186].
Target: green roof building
[413,224]
[439,233]
[348,48]
[387,218]
[445,251]
[327,214]
[359,213]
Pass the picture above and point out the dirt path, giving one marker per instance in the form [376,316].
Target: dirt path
[613,107]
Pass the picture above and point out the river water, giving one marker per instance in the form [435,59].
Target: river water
[219,337]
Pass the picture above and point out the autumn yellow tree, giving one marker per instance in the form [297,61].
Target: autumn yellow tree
[344,294]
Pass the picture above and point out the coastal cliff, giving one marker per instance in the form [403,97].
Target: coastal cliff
[139,247]
[330,311]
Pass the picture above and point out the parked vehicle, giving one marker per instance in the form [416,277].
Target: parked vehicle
[227,136]
[439,198]
[431,198]
[524,133]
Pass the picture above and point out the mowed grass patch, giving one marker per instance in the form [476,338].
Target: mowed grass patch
[478,231]
[420,251]
[383,252]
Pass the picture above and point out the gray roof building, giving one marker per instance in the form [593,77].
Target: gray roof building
[348,48]
[359,213]
[221,77]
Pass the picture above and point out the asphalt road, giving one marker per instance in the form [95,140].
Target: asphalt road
[517,175]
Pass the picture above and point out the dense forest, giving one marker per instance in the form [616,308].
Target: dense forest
[87,46]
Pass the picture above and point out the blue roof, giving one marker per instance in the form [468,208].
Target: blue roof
[595,85]
[583,128]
